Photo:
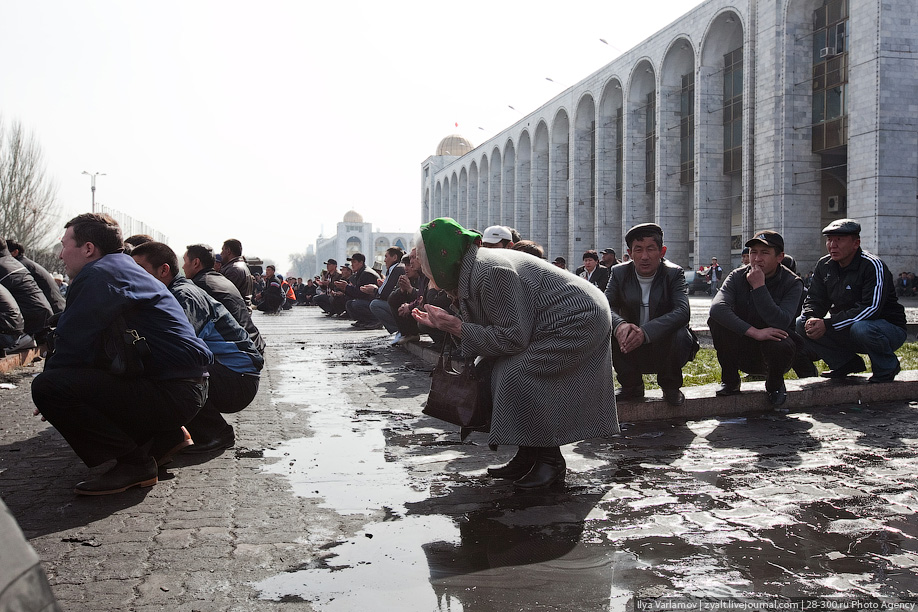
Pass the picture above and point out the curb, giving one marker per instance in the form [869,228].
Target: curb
[702,403]
[20,358]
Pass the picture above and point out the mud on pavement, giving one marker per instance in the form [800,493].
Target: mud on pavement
[340,495]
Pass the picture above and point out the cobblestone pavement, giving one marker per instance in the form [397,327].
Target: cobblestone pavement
[340,495]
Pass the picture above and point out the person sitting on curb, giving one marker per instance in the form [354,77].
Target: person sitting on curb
[752,318]
[102,413]
[198,265]
[851,308]
[650,317]
[234,375]
[361,275]
[274,296]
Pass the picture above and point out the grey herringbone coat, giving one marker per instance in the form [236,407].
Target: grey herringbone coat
[550,333]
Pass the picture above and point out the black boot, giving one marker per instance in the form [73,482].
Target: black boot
[548,469]
[518,467]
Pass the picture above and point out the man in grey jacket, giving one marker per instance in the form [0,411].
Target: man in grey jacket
[752,318]
[650,316]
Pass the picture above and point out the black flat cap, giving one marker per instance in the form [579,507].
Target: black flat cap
[842,227]
[643,230]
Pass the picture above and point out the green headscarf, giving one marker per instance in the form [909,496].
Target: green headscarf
[446,242]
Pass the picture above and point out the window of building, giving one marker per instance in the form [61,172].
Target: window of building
[733,111]
[650,137]
[830,75]
[619,151]
[687,130]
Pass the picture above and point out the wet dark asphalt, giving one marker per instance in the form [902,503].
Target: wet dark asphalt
[347,498]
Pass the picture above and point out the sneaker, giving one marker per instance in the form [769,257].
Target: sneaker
[396,339]
[408,340]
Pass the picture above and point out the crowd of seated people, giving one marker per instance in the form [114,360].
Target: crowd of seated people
[763,321]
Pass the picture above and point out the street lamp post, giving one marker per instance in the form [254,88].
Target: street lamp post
[92,176]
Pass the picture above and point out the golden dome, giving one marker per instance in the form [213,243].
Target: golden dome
[454,144]
[352,216]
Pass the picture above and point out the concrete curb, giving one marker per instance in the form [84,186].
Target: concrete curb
[702,403]
[19,359]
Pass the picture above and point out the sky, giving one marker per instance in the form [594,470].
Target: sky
[268,121]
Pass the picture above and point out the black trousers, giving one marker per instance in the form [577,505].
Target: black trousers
[229,392]
[105,417]
[331,304]
[664,357]
[737,352]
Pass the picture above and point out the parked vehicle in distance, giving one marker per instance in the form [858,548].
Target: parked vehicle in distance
[697,282]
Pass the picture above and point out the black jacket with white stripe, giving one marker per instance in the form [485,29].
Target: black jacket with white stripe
[862,291]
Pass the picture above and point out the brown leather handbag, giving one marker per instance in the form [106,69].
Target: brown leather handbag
[461,397]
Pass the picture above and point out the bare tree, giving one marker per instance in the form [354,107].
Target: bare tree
[28,196]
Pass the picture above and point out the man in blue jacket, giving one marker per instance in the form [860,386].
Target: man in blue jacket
[102,412]
[234,375]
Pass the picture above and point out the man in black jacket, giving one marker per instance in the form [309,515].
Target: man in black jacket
[233,267]
[42,277]
[752,318]
[198,265]
[356,298]
[32,302]
[650,316]
[595,274]
[851,308]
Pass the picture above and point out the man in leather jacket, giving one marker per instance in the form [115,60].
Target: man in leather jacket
[234,268]
[650,316]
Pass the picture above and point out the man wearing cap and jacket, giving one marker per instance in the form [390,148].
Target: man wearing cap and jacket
[497,237]
[752,318]
[650,317]
[851,308]
[361,275]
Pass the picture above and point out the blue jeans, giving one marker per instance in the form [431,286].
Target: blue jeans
[879,339]
[382,312]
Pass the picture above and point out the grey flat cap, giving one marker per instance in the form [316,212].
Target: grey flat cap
[842,227]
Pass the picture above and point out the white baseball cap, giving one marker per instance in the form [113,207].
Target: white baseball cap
[495,234]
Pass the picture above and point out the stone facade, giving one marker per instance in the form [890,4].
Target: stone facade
[646,139]
[353,235]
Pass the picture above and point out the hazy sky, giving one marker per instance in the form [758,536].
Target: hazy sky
[267,121]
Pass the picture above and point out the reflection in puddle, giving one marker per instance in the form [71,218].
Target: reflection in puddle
[788,506]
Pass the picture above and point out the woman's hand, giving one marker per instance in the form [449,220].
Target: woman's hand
[438,319]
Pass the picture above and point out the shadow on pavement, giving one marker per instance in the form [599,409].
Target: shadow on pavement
[36,482]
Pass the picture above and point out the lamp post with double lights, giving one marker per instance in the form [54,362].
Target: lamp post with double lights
[92,176]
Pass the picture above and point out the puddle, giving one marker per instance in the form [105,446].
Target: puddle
[758,507]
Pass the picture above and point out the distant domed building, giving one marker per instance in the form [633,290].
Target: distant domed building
[454,145]
[353,235]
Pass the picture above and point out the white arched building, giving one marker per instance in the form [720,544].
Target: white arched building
[741,115]
[353,235]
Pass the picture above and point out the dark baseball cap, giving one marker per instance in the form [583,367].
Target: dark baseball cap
[330,261]
[560,260]
[643,230]
[357,257]
[842,227]
[608,251]
[768,238]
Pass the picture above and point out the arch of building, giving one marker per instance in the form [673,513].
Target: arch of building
[711,129]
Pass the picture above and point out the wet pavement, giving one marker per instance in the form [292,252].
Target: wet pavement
[341,495]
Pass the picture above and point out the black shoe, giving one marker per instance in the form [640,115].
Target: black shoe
[518,467]
[629,393]
[168,444]
[548,469]
[121,478]
[674,397]
[777,397]
[852,366]
[882,378]
[726,390]
[224,439]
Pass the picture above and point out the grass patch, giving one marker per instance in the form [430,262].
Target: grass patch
[705,369]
